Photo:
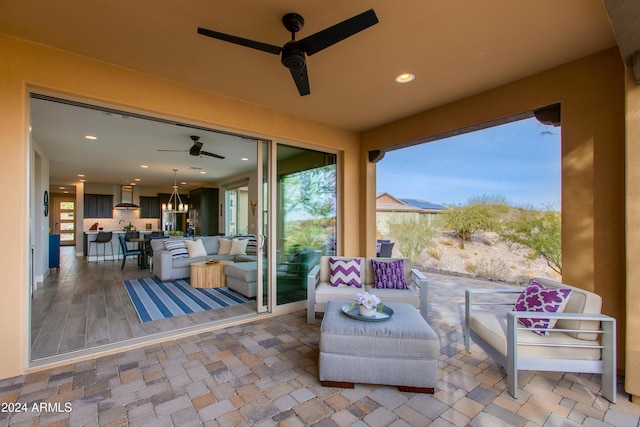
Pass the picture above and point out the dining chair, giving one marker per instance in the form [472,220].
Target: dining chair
[385,250]
[126,252]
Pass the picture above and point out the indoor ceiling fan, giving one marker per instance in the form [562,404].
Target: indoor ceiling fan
[294,51]
[196,149]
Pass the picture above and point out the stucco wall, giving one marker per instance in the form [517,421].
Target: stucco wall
[632,350]
[27,66]
[591,92]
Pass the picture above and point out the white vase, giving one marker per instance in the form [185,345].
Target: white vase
[364,311]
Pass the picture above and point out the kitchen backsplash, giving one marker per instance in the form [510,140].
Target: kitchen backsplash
[122,218]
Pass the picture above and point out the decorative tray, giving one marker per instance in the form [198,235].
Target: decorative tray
[379,316]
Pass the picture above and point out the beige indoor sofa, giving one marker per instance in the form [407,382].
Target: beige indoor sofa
[319,291]
[583,339]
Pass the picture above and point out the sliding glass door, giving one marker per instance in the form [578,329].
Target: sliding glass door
[306,217]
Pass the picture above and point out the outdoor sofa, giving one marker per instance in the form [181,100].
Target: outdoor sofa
[320,289]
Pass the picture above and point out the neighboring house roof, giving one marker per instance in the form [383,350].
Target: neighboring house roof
[423,204]
[387,202]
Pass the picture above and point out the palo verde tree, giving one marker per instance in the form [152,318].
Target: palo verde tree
[412,235]
[539,231]
[479,214]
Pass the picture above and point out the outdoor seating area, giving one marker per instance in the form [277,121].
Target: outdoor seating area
[470,387]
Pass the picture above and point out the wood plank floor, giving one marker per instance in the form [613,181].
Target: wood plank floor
[85,305]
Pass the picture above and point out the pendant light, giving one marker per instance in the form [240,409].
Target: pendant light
[175,204]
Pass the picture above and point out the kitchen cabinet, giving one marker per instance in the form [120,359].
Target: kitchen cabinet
[204,211]
[149,207]
[98,205]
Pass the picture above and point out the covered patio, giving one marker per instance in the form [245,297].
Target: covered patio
[266,373]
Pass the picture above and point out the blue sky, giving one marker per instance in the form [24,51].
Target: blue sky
[519,161]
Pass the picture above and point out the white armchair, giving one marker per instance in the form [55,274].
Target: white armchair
[582,340]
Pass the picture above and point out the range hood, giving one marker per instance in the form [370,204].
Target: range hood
[126,198]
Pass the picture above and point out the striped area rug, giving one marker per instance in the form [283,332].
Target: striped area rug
[156,300]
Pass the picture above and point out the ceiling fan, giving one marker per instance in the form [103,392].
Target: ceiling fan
[196,149]
[293,52]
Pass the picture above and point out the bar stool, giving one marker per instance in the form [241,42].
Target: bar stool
[103,238]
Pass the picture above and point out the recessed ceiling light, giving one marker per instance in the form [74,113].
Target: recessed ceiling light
[61,188]
[91,137]
[83,180]
[244,158]
[144,166]
[81,175]
[405,78]
[183,183]
[136,179]
[132,183]
[202,172]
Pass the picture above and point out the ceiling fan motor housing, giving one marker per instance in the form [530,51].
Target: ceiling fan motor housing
[293,56]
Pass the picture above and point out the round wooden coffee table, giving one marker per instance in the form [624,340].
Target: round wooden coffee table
[208,274]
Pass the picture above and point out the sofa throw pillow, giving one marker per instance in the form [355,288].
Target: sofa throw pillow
[388,274]
[225,246]
[252,246]
[345,272]
[177,248]
[238,247]
[195,248]
[211,244]
[537,298]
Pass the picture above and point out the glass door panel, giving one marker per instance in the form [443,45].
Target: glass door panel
[64,218]
[306,220]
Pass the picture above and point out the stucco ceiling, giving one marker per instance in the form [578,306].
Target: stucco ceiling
[456,48]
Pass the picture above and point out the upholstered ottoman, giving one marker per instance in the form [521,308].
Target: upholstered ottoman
[401,351]
[241,277]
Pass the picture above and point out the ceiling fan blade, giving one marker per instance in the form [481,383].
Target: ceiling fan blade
[175,151]
[332,35]
[265,47]
[301,78]
[206,153]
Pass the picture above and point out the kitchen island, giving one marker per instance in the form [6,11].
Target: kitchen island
[90,236]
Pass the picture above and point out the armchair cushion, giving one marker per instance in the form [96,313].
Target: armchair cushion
[537,298]
[345,271]
[388,274]
[492,329]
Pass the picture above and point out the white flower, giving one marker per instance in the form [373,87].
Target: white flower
[368,300]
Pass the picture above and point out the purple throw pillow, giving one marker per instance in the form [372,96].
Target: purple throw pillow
[388,275]
[537,298]
[345,272]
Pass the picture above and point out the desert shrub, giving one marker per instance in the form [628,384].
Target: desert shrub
[470,267]
[434,253]
[493,268]
[447,242]
[539,231]
[479,214]
[412,235]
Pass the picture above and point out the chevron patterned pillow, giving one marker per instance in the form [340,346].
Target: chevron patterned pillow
[345,272]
